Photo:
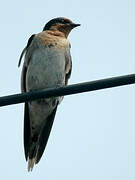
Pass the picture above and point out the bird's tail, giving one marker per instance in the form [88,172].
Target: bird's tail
[32,160]
[32,155]
[31,163]
[34,147]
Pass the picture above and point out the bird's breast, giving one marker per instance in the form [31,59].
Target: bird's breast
[46,69]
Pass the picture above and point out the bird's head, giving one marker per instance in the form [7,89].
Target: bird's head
[60,24]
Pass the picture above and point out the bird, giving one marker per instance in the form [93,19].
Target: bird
[47,64]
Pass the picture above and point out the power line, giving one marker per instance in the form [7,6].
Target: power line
[68,90]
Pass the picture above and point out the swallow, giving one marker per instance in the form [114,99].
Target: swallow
[47,64]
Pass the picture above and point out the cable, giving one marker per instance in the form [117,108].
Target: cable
[68,90]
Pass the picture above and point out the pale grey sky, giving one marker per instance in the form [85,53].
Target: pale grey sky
[93,136]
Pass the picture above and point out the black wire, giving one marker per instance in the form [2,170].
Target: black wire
[68,90]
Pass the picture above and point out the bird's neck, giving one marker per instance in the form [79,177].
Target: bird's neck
[56,33]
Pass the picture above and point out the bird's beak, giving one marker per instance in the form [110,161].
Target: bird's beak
[73,25]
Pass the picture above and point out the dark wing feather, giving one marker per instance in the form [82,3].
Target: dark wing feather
[30,40]
[23,52]
[45,135]
[25,49]
[26,130]
[23,79]
[68,65]
[26,108]
[68,74]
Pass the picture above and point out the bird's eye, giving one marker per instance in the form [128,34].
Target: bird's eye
[63,21]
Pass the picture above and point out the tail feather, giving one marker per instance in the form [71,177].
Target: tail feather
[31,163]
[43,139]
[34,150]
[32,159]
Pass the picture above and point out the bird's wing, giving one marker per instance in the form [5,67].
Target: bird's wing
[23,89]
[68,65]
[27,59]
[27,130]
[25,49]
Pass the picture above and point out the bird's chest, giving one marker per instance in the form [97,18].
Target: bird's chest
[46,69]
